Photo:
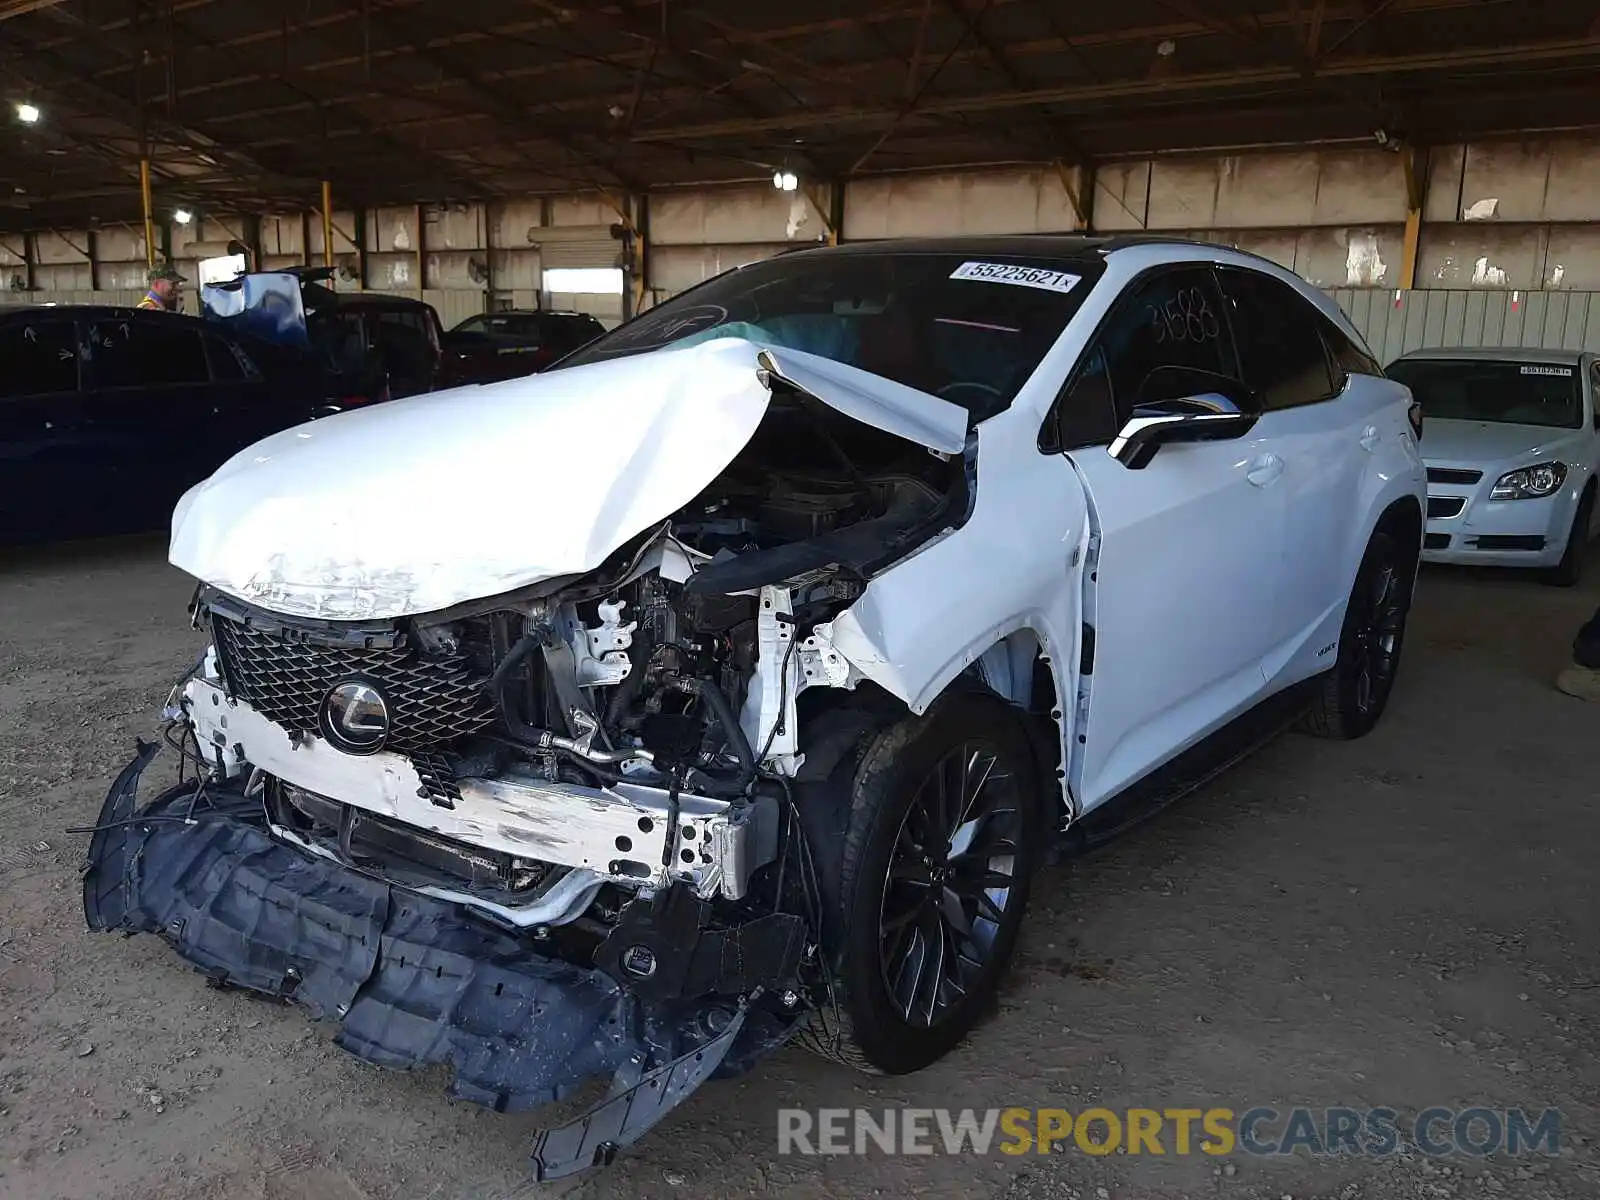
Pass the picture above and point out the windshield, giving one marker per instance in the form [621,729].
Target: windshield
[966,327]
[1513,393]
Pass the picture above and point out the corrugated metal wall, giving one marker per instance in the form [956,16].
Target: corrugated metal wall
[1397,322]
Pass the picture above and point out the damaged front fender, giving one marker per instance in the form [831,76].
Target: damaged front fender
[411,981]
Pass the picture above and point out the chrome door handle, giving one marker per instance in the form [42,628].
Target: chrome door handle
[1369,438]
[1264,470]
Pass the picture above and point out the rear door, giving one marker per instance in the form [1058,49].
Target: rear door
[409,342]
[244,406]
[148,402]
[1182,595]
[1323,431]
[49,471]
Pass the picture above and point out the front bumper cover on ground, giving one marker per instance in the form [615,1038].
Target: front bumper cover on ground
[412,981]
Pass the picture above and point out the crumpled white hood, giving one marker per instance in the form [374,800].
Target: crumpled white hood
[420,504]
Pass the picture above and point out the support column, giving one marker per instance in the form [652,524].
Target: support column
[422,256]
[1080,192]
[640,274]
[149,214]
[327,223]
[361,249]
[252,241]
[1414,160]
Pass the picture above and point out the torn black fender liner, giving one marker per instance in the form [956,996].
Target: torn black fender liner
[412,981]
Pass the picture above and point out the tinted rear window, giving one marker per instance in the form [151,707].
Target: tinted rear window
[966,327]
[1513,393]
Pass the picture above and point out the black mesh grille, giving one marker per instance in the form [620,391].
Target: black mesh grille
[1451,475]
[432,702]
[1445,506]
[438,775]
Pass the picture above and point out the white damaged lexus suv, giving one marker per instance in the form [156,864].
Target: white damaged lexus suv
[733,680]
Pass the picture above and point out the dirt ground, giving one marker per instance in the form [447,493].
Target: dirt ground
[1406,921]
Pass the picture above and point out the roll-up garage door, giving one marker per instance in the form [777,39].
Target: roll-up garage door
[577,246]
[580,247]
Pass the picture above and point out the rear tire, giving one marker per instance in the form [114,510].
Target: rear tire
[1354,694]
[946,827]
[1569,570]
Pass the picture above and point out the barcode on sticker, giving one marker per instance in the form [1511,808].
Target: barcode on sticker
[1034,277]
[1560,372]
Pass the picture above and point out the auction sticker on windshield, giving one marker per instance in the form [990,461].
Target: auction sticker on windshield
[1559,372]
[1019,276]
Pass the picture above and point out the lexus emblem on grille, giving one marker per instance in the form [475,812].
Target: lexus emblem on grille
[355,717]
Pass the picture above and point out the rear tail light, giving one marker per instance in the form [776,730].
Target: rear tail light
[1414,415]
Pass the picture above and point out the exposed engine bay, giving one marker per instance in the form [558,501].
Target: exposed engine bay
[649,709]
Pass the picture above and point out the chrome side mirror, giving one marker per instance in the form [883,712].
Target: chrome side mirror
[1207,417]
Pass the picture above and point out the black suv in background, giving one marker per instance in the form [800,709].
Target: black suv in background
[507,345]
[379,347]
[108,415]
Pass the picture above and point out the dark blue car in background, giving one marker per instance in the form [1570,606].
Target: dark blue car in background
[108,415]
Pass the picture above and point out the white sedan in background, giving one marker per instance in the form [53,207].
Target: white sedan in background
[1512,442]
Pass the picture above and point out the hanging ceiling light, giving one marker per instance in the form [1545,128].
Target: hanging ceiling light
[785,181]
[182,216]
[27,113]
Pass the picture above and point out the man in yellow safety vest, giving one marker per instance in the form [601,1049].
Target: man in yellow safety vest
[166,289]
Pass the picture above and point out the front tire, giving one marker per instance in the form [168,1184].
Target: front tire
[1354,694]
[1569,570]
[946,828]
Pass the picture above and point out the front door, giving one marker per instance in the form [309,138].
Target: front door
[147,401]
[1182,592]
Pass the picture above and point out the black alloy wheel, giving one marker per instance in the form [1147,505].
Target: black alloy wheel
[1352,696]
[950,879]
[1380,624]
[943,820]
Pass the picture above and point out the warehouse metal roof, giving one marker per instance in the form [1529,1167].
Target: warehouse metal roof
[245,104]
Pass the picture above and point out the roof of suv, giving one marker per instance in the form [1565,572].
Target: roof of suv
[92,312]
[1050,245]
[562,313]
[375,300]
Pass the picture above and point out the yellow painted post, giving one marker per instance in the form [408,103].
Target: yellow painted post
[1408,252]
[149,216]
[327,223]
[1415,165]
